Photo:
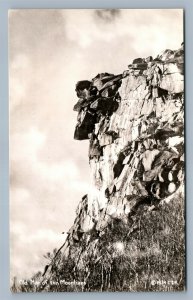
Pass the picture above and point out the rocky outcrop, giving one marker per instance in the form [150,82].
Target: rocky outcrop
[134,122]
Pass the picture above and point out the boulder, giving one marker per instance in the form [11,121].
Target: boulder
[138,61]
[82,89]
[139,66]
[101,79]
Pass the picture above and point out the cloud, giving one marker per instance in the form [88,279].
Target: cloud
[107,15]
[45,240]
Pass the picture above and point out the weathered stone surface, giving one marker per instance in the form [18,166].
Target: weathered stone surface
[82,88]
[145,116]
[138,60]
[85,126]
[94,148]
[101,79]
[135,125]
[172,79]
[148,158]
[166,55]
[149,59]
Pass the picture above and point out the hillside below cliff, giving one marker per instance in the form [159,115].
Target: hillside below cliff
[128,234]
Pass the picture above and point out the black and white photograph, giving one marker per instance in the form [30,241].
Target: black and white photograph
[96,134]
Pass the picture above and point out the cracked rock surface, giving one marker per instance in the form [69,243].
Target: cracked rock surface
[134,122]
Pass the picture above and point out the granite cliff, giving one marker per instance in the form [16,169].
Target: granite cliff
[124,226]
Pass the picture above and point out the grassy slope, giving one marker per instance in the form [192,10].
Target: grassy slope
[153,257]
[150,255]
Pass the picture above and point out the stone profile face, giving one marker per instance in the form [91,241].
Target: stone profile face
[134,122]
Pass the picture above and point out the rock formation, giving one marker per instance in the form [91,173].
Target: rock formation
[134,122]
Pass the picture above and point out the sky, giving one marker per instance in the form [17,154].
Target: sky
[49,51]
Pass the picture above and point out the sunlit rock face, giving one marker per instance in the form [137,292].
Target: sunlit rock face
[134,122]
